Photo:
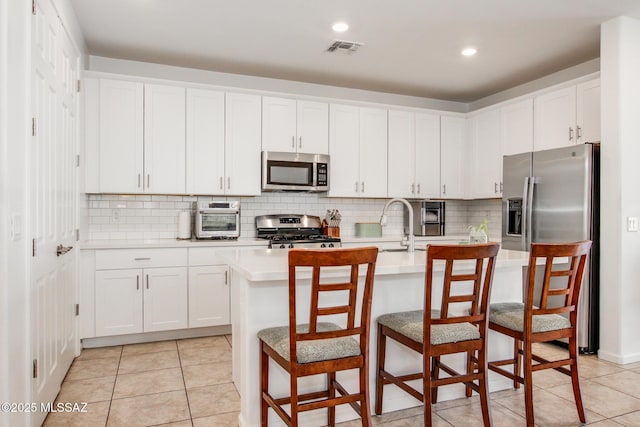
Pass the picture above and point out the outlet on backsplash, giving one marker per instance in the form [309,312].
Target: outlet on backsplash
[115,216]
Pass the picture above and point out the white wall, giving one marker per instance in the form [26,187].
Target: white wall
[620,269]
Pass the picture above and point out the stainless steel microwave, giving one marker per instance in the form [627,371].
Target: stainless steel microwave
[217,220]
[295,172]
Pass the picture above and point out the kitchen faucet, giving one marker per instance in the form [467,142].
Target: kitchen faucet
[410,243]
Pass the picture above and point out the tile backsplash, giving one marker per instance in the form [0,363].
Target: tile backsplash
[156,217]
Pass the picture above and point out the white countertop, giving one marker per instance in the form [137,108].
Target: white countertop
[242,242]
[258,265]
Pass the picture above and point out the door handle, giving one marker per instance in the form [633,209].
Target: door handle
[356,186]
[300,143]
[293,142]
[444,189]
[578,132]
[229,183]
[137,282]
[147,281]
[221,183]
[61,250]
[362,186]
[148,180]
[525,213]
[495,187]
[418,188]
[570,133]
[413,188]
[138,180]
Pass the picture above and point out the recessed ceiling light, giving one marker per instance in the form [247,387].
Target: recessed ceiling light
[469,51]
[340,27]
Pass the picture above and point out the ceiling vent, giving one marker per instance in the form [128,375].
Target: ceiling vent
[344,46]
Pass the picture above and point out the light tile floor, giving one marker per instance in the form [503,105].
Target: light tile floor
[188,383]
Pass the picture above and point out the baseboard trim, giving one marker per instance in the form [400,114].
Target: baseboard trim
[619,359]
[155,336]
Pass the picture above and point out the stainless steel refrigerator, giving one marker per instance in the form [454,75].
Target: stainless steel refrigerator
[554,196]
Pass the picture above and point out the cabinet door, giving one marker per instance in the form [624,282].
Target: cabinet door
[165,298]
[121,136]
[588,111]
[205,142]
[485,163]
[164,139]
[554,119]
[401,157]
[452,157]
[242,144]
[209,303]
[278,124]
[344,141]
[313,127]
[517,127]
[373,152]
[118,300]
[427,155]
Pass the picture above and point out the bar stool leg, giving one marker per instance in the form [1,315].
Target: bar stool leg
[575,378]
[528,383]
[264,386]
[483,384]
[435,374]
[470,369]
[365,407]
[331,377]
[294,401]
[517,361]
[382,348]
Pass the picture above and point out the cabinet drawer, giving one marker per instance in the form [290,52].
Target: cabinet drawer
[204,256]
[140,258]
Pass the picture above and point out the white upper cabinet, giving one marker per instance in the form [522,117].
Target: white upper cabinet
[452,157]
[484,163]
[555,119]
[588,111]
[517,127]
[413,154]
[205,142]
[242,144]
[358,150]
[295,126]
[568,116]
[164,139]
[373,152]
[120,136]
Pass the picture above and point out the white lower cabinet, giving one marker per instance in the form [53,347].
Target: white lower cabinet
[150,290]
[141,300]
[209,296]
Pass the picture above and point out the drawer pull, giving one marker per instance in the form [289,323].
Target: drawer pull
[147,281]
[137,282]
[142,259]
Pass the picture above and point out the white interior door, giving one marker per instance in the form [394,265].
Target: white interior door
[55,64]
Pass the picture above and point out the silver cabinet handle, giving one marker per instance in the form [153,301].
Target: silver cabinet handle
[579,131]
[362,186]
[444,188]
[137,282]
[300,142]
[229,182]
[148,180]
[221,182]
[293,142]
[356,186]
[142,259]
[147,281]
[139,176]
[418,188]
[61,250]
[413,188]
[570,133]
[495,187]
[226,277]
[501,187]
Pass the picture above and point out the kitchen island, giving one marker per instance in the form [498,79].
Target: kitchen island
[259,299]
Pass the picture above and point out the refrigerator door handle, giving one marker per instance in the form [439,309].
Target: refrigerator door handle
[525,214]
[532,182]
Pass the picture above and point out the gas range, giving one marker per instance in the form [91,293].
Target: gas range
[294,231]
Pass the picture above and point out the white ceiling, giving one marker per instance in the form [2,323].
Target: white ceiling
[411,47]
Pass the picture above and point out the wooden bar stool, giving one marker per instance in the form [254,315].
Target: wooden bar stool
[439,332]
[528,324]
[322,347]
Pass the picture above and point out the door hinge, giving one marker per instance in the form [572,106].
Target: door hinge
[33,247]
[79,85]
[77,234]
[33,126]
[77,160]
[33,7]
[35,368]
[77,309]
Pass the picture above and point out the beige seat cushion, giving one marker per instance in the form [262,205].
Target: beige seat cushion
[511,316]
[311,351]
[409,324]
